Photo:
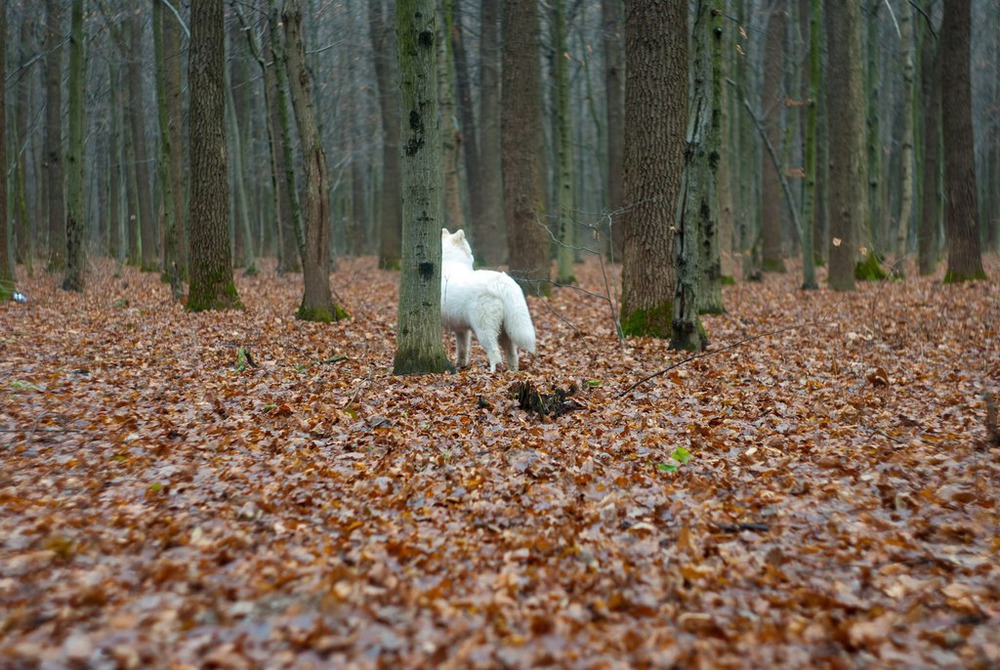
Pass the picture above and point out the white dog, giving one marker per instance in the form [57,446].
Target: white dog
[488,303]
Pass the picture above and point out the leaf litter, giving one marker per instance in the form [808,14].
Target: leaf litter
[242,489]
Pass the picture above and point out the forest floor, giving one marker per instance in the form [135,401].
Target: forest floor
[825,494]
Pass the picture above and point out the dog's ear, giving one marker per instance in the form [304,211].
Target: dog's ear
[459,235]
[445,233]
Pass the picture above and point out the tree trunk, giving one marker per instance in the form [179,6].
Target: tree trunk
[73,279]
[614,84]
[419,347]
[965,260]
[489,239]
[809,200]
[390,223]
[137,118]
[656,119]
[695,206]
[467,116]
[317,300]
[709,32]
[727,225]
[910,108]
[932,196]
[55,187]
[24,242]
[8,276]
[173,55]
[522,142]
[848,180]
[565,207]
[242,208]
[212,286]
[453,217]
[772,103]
[873,236]
[171,267]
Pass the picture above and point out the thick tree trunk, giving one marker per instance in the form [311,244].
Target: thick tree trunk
[55,187]
[522,142]
[212,286]
[848,180]
[317,301]
[73,279]
[656,120]
[965,260]
[419,348]
[390,224]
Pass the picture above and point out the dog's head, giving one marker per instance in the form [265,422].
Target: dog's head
[455,248]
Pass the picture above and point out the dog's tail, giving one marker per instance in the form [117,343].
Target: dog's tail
[516,317]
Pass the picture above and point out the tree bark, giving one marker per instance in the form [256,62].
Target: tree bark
[522,142]
[772,101]
[656,120]
[23,239]
[565,206]
[212,286]
[173,55]
[73,279]
[931,193]
[965,260]
[614,84]
[848,179]
[811,140]
[137,119]
[55,187]
[453,216]
[419,347]
[390,223]
[8,276]
[489,239]
[910,103]
[317,300]
[709,31]
[171,267]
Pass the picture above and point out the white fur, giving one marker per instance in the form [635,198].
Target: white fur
[487,303]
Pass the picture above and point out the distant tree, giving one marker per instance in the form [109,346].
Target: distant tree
[656,120]
[55,189]
[467,115]
[7,270]
[931,199]
[212,286]
[317,299]
[565,228]
[138,102]
[419,347]
[171,265]
[614,85]
[965,260]
[522,141]
[772,100]
[390,224]
[23,232]
[73,279]
[810,202]
[848,182]
[490,232]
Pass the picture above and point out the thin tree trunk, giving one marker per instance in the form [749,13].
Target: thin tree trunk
[773,116]
[73,280]
[873,235]
[165,158]
[173,55]
[727,225]
[317,300]
[449,131]
[910,110]
[710,33]
[489,240]
[467,116]
[565,207]
[8,277]
[55,187]
[137,118]
[614,84]
[24,242]
[390,222]
[239,177]
[809,199]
